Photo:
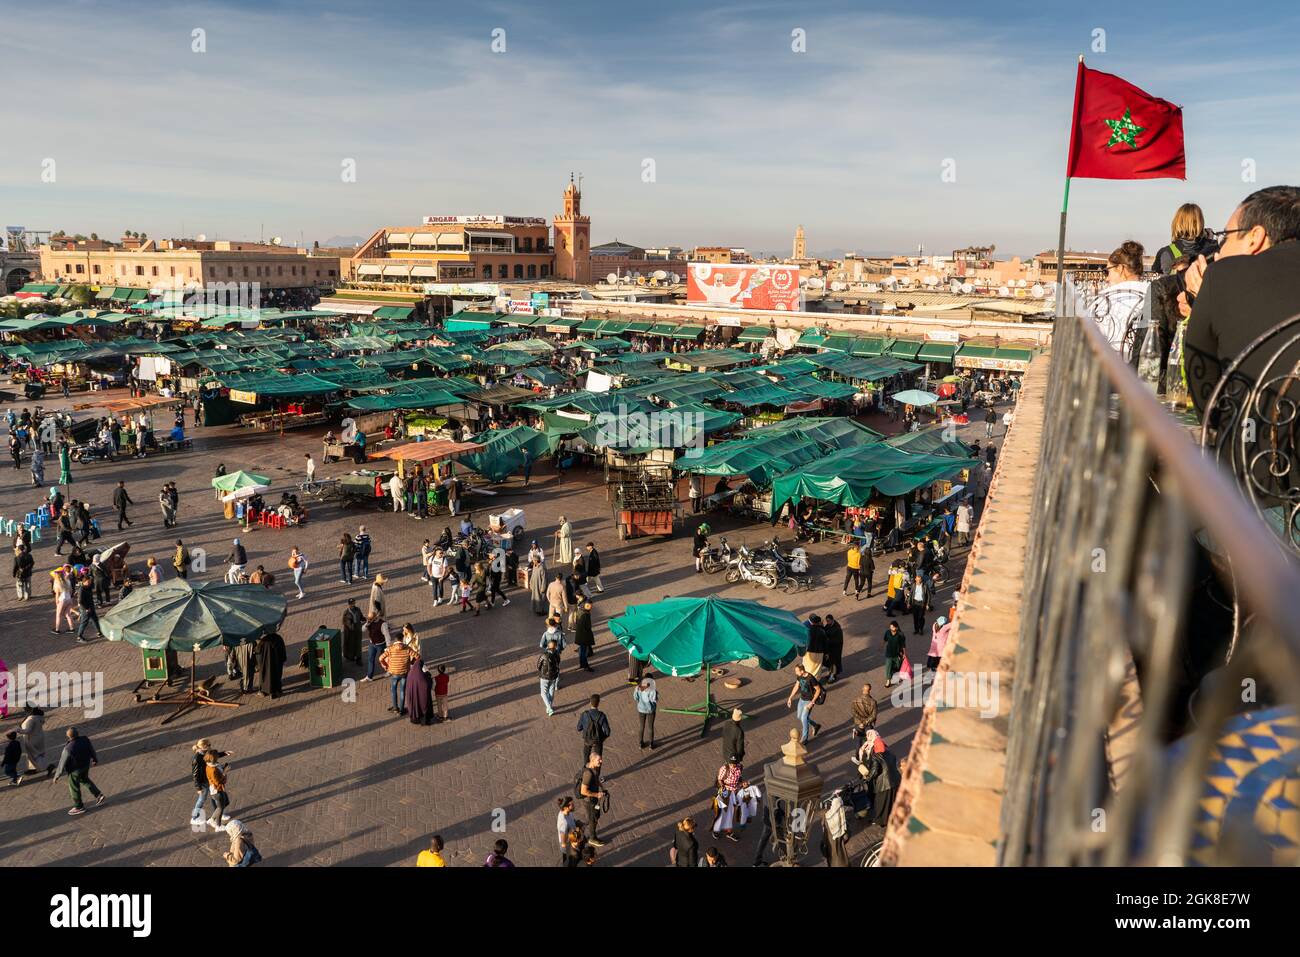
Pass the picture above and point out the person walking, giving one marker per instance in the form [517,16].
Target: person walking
[834,648]
[593,725]
[557,597]
[395,661]
[311,470]
[939,633]
[439,569]
[685,851]
[646,698]
[298,562]
[31,734]
[395,489]
[733,738]
[216,775]
[362,544]
[181,560]
[379,636]
[806,688]
[165,506]
[77,759]
[38,469]
[237,560]
[65,465]
[86,609]
[441,691]
[496,573]
[963,522]
[121,499]
[592,794]
[64,598]
[864,709]
[895,652]
[583,636]
[537,588]
[853,570]
[199,775]
[548,674]
[23,564]
[919,592]
[63,526]
[347,558]
[564,543]
[591,568]
[990,420]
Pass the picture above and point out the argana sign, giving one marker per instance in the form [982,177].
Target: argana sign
[748,286]
[484,221]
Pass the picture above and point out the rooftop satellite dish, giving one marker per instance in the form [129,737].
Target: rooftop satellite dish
[276,240]
[838,286]
[1038,290]
[202,237]
[932,280]
[612,278]
[659,274]
[1004,291]
[967,288]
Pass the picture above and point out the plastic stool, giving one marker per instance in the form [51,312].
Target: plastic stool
[36,532]
[29,518]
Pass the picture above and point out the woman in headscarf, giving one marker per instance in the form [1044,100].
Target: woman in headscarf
[939,632]
[243,852]
[879,768]
[353,622]
[38,468]
[536,554]
[32,735]
[537,587]
[419,693]
[65,464]
[564,542]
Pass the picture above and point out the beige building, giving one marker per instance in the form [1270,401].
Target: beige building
[175,263]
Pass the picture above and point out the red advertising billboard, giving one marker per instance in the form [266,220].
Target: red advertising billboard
[745,286]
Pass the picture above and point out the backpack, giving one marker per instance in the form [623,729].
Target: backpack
[591,730]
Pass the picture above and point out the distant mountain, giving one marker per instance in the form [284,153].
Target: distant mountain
[335,241]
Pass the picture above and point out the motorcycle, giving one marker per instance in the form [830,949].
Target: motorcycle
[93,452]
[716,557]
[744,568]
[791,568]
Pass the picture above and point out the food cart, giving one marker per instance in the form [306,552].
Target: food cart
[644,508]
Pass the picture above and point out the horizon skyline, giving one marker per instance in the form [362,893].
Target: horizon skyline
[720,103]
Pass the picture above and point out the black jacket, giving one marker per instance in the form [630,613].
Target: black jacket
[591,564]
[199,770]
[120,498]
[733,741]
[1187,251]
[1241,298]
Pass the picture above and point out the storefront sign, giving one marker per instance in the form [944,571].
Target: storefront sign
[999,365]
[247,398]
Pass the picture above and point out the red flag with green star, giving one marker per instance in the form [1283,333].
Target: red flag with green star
[1121,132]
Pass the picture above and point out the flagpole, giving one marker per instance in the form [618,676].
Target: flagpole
[1065,201]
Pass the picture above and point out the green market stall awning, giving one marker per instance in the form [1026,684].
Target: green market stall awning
[181,616]
[590,325]
[760,459]
[839,342]
[38,288]
[544,375]
[753,334]
[662,329]
[810,339]
[393,312]
[851,476]
[772,395]
[818,388]
[687,332]
[680,427]
[931,441]
[505,450]
[612,327]
[639,325]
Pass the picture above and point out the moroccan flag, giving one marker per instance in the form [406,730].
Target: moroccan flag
[1121,132]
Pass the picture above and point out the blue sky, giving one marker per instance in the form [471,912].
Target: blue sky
[748,138]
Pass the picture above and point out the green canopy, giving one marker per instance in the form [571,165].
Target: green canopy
[504,451]
[684,636]
[181,616]
[850,476]
[234,481]
[931,441]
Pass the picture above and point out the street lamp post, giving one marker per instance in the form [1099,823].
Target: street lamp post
[794,790]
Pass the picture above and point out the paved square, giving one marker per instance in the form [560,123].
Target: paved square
[321,780]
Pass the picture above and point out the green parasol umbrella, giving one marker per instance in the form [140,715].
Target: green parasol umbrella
[177,616]
[684,636]
[915,397]
[237,480]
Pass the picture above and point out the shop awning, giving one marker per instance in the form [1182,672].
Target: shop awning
[436,450]
[753,334]
[868,347]
[590,325]
[810,338]
[936,352]
[688,332]
[638,325]
[904,348]
[839,342]
[662,329]
[612,327]
[394,312]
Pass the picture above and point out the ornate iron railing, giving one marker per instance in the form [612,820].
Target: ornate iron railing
[1129,618]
